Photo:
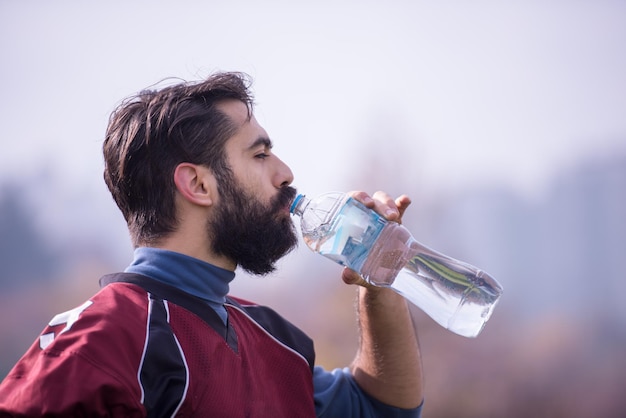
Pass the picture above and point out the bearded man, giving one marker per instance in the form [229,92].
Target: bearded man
[202,193]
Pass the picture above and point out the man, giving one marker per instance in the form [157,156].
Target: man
[202,192]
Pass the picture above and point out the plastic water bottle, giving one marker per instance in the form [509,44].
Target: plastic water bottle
[456,295]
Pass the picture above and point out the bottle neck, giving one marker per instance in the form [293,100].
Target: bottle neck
[299,204]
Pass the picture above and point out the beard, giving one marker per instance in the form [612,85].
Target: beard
[252,234]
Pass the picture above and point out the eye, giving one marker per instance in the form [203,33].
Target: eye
[262,155]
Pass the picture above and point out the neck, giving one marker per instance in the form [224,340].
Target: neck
[191,236]
[191,275]
[194,246]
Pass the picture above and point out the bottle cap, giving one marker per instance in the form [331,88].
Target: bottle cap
[295,202]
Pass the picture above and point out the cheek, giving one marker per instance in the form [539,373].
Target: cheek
[251,183]
[258,183]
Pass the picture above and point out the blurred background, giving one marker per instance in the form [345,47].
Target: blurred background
[504,121]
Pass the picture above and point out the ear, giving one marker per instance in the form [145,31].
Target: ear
[195,183]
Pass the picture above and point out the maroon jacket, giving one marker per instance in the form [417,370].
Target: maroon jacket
[140,348]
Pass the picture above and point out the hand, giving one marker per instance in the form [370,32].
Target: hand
[390,209]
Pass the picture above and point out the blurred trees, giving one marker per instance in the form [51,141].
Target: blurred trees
[24,253]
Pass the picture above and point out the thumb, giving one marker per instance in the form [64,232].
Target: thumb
[351,277]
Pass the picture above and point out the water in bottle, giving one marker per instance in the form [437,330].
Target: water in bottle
[456,295]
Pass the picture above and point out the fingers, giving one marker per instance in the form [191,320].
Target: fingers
[384,204]
[402,203]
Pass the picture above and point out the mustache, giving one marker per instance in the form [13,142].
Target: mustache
[284,198]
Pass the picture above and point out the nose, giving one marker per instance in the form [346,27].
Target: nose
[284,175]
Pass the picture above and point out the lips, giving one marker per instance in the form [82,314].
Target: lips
[284,198]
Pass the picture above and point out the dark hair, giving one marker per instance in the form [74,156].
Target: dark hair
[152,132]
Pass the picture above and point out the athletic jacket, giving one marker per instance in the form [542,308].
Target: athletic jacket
[141,348]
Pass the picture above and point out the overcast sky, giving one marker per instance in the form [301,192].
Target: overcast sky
[497,91]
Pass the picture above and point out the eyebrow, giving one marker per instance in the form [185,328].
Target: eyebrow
[262,141]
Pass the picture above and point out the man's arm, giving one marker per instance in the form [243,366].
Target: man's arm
[388,364]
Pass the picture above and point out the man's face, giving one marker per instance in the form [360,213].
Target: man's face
[252,225]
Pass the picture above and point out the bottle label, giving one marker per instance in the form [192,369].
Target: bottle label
[353,233]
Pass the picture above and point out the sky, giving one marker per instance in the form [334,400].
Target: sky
[457,94]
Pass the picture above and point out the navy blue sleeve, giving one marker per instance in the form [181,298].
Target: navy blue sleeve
[338,395]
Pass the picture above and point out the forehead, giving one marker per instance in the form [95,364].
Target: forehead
[237,111]
[247,129]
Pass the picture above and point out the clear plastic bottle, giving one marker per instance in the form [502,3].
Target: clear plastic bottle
[456,295]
